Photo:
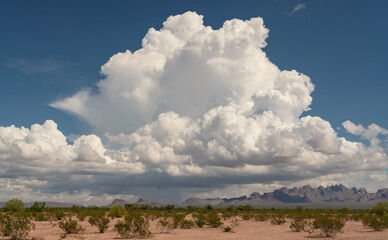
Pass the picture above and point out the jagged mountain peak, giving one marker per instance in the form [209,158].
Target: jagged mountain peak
[305,194]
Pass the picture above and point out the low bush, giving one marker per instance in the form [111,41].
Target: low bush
[213,220]
[133,226]
[187,224]
[227,229]
[177,219]
[165,225]
[247,215]
[14,205]
[100,221]
[81,215]
[38,207]
[200,220]
[326,225]
[39,216]
[278,219]
[70,226]
[17,227]
[261,217]
[377,219]
[298,225]
[116,211]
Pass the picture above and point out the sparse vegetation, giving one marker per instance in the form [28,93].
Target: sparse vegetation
[134,226]
[165,225]
[278,219]
[213,220]
[227,229]
[15,226]
[38,207]
[377,219]
[327,225]
[100,221]
[299,224]
[116,211]
[16,220]
[14,205]
[70,226]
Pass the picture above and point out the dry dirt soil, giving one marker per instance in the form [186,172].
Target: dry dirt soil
[245,230]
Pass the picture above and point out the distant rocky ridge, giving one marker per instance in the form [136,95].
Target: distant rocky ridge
[305,194]
[140,202]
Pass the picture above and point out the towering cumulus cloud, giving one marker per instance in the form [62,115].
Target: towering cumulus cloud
[195,109]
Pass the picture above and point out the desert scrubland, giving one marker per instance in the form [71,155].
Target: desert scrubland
[242,222]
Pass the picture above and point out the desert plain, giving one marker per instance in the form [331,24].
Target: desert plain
[242,229]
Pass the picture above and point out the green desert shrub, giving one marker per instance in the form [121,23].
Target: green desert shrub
[278,219]
[177,219]
[38,207]
[134,225]
[213,220]
[227,229]
[187,224]
[298,225]
[165,224]
[116,211]
[15,226]
[377,219]
[14,205]
[326,225]
[81,215]
[58,214]
[200,219]
[247,215]
[100,221]
[261,217]
[70,226]
[40,216]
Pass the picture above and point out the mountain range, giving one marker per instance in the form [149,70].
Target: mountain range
[335,194]
[305,194]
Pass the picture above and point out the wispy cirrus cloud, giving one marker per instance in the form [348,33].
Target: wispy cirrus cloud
[297,8]
[33,67]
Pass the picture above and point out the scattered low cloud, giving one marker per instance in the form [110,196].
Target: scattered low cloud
[196,110]
[33,67]
[298,7]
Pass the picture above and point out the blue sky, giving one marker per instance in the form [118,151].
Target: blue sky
[53,50]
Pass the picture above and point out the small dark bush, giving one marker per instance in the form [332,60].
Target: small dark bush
[100,221]
[377,219]
[227,229]
[38,207]
[177,219]
[327,225]
[187,224]
[200,219]
[133,226]
[70,226]
[278,219]
[39,216]
[261,217]
[298,225]
[165,225]
[16,227]
[14,205]
[213,220]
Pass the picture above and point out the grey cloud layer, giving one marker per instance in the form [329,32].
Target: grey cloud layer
[194,108]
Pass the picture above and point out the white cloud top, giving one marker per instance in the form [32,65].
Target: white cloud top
[194,108]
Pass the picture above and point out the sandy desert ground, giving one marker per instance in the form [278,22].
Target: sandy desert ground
[245,230]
